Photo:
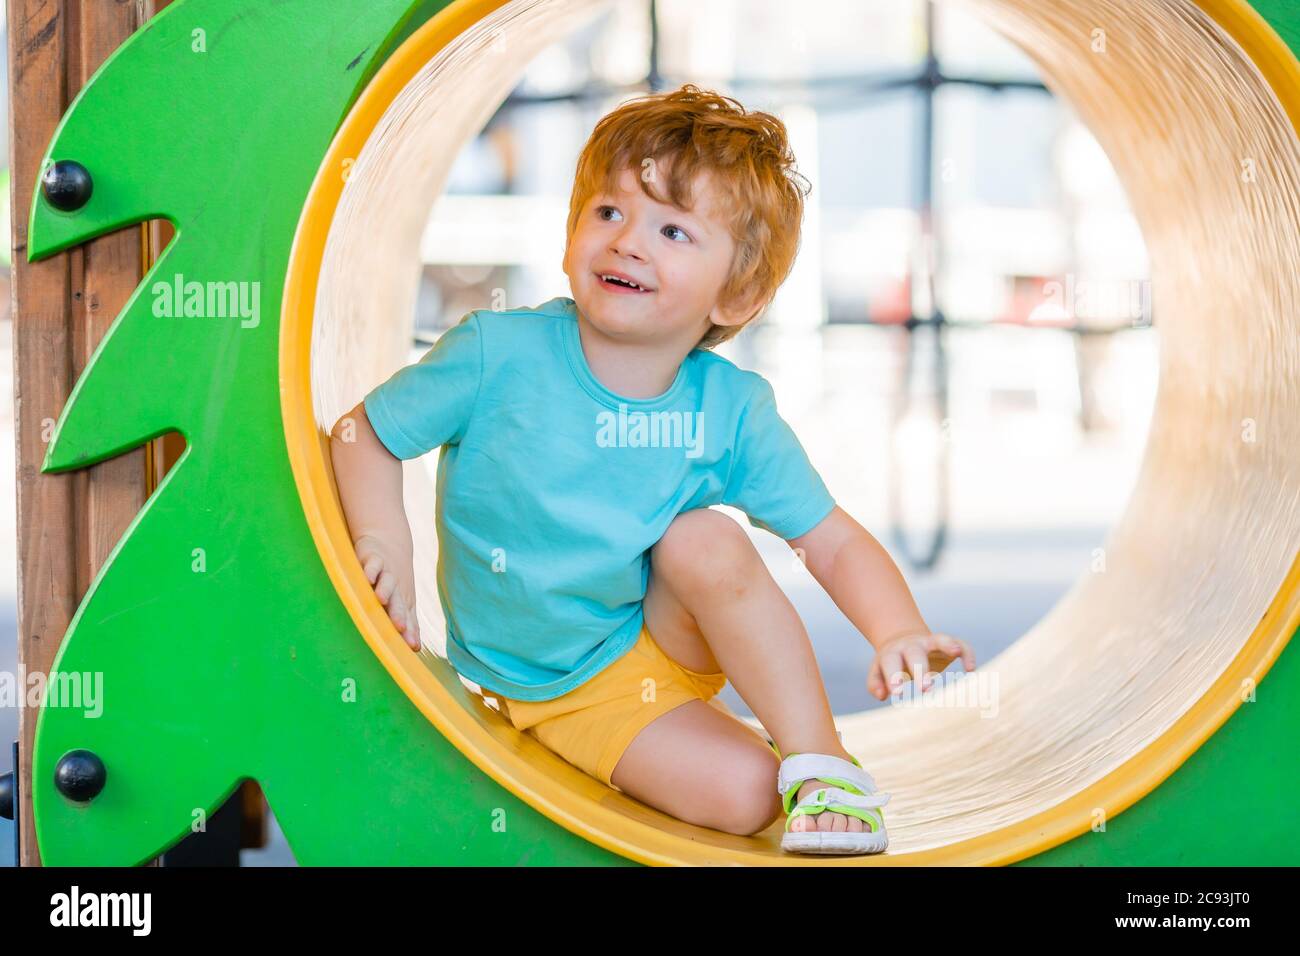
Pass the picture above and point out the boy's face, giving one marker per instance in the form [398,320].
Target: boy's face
[680,259]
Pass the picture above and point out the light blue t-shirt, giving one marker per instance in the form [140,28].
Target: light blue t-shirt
[551,488]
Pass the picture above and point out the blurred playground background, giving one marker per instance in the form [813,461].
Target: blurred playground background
[966,347]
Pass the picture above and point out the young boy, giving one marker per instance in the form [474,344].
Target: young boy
[588,587]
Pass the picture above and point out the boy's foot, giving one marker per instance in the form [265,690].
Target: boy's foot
[826,820]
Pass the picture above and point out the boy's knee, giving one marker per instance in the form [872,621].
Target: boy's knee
[754,804]
[702,540]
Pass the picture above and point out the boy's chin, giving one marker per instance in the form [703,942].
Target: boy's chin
[614,321]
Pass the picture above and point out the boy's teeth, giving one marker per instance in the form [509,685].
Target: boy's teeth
[630,285]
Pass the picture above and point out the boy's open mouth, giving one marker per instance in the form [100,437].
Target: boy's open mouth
[613,282]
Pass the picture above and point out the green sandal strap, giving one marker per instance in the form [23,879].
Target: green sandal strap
[798,769]
[831,799]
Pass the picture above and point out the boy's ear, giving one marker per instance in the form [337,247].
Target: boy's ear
[735,313]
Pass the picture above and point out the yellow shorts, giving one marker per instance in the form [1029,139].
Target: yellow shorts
[593,724]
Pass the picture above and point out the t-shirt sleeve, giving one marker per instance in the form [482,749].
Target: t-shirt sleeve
[771,478]
[428,404]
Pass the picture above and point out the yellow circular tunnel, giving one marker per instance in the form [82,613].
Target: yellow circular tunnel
[1137,665]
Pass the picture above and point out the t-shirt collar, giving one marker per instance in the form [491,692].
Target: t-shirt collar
[582,371]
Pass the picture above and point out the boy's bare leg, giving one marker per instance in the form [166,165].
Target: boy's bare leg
[702,766]
[712,605]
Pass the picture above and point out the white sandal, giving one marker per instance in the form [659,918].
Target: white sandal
[854,794]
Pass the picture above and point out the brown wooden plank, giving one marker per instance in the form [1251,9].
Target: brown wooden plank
[252,831]
[163,452]
[47,577]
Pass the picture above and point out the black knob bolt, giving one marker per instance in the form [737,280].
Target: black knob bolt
[67,185]
[7,796]
[80,775]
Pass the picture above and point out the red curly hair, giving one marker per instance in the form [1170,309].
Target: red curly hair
[689,132]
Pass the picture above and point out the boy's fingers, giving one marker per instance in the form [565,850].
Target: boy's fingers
[385,586]
[403,616]
[411,630]
[410,639]
[397,615]
[875,683]
[956,648]
[918,662]
[959,648]
[372,566]
[891,667]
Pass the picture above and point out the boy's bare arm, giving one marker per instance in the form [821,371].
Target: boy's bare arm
[861,578]
[369,480]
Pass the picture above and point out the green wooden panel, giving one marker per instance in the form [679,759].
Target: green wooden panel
[1284,17]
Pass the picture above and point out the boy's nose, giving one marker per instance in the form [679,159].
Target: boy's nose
[625,249]
[626,243]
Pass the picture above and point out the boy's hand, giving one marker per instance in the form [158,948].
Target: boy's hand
[922,653]
[383,574]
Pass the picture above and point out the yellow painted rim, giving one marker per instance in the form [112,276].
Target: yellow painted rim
[308,449]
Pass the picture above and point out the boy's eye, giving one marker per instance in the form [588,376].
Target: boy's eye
[602,210]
